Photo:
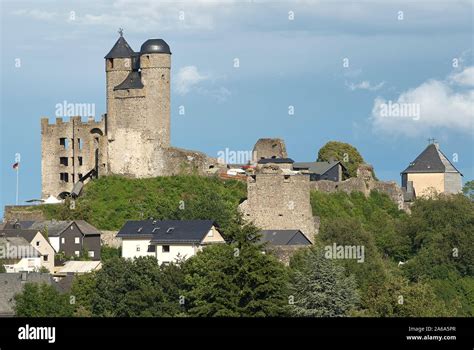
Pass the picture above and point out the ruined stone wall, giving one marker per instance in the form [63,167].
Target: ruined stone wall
[78,158]
[268,148]
[365,183]
[284,253]
[277,201]
[23,213]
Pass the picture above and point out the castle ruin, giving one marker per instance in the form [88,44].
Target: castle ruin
[132,138]
[277,200]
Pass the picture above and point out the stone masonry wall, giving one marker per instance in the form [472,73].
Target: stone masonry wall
[268,148]
[365,183]
[83,139]
[277,201]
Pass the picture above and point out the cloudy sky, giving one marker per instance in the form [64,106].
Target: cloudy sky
[306,71]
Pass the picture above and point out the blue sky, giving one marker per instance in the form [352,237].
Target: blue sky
[289,53]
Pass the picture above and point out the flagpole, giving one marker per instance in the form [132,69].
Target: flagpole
[17,181]
[17,168]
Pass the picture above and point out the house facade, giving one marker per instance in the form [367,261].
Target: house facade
[38,241]
[69,237]
[17,255]
[431,172]
[167,240]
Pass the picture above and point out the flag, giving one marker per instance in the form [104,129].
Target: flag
[16,165]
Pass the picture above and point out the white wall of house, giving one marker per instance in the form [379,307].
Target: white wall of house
[213,236]
[54,241]
[167,253]
[181,251]
[134,248]
[25,264]
[45,249]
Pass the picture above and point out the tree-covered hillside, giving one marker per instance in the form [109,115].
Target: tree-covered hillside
[415,265]
[418,264]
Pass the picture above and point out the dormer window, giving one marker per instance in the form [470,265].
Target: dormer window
[170,230]
[140,229]
[155,229]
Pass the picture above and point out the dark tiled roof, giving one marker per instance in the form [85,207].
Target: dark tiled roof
[316,167]
[275,160]
[431,160]
[167,231]
[121,49]
[54,228]
[132,81]
[26,234]
[284,237]
[86,228]
[23,248]
[17,224]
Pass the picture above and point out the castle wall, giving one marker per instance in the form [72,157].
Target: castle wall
[68,150]
[277,201]
[268,148]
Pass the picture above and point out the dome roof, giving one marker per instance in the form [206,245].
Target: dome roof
[155,46]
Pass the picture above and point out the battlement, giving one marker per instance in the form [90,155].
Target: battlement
[76,120]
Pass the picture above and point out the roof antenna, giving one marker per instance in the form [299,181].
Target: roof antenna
[120,31]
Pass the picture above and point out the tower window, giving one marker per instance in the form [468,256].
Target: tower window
[63,161]
[64,177]
[80,176]
[64,142]
[80,143]
[79,159]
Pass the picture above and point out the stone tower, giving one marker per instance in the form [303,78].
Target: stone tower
[133,139]
[138,108]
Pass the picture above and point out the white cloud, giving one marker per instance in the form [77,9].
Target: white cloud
[466,77]
[364,85]
[36,14]
[439,104]
[187,78]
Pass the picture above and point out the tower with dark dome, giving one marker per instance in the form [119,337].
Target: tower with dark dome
[138,107]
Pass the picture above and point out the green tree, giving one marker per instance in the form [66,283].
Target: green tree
[468,189]
[139,287]
[440,230]
[83,292]
[224,280]
[320,287]
[107,253]
[397,297]
[344,152]
[42,300]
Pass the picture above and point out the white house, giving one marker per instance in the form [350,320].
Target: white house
[168,240]
[38,241]
[17,255]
